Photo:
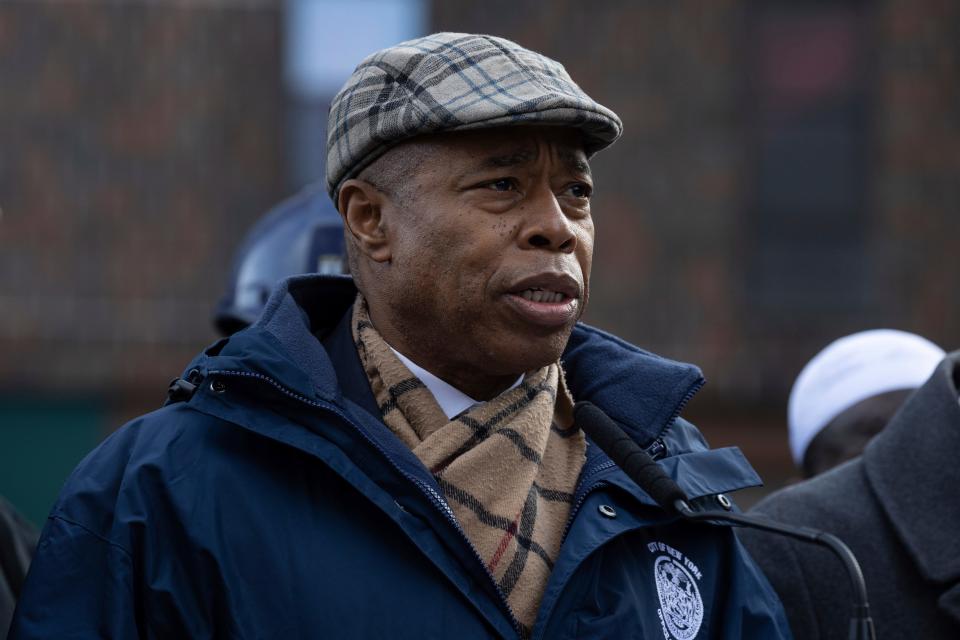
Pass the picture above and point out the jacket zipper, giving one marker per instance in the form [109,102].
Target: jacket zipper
[692,391]
[656,450]
[438,501]
[584,492]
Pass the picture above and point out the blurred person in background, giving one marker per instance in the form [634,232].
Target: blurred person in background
[849,391]
[895,505]
[303,234]
[394,454]
[18,539]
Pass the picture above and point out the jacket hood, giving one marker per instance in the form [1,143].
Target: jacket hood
[282,344]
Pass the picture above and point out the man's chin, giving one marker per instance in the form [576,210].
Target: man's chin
[532,352]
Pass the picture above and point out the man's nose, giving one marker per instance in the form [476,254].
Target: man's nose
[545,225]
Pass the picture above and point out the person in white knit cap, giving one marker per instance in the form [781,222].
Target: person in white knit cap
[849,391]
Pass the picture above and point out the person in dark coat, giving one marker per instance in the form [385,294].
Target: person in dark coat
[896,507]
[18,538]
[394,455]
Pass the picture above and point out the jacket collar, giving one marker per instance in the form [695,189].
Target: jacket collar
[641,391]
[912,468]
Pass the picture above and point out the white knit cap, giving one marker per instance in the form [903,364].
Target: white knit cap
[852,369]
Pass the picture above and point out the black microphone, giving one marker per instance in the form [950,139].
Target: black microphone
[650,476]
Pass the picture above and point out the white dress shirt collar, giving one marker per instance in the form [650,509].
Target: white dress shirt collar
[452,401]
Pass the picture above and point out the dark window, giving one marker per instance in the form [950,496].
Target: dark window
[810,78]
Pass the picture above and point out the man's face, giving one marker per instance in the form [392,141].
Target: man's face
[490,252]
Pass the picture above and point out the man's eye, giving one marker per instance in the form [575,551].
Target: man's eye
[503,184]
[581,190]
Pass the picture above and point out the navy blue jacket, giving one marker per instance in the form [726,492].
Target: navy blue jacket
[271,502]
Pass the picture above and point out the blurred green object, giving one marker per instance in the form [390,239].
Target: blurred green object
[41,441]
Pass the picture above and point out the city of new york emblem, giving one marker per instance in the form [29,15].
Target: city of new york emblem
[681,608]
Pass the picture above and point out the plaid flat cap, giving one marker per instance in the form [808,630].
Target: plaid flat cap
[450,82]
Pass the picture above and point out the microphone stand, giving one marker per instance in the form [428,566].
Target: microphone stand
[861,624]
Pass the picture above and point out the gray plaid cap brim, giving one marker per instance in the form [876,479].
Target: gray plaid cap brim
[453,82]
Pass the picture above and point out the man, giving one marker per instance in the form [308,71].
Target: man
[849,391]
[896,507]
[402,462]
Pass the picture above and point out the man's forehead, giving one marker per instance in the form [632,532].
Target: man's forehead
[516,147]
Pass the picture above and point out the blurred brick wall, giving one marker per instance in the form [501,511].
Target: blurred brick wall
[138,141]
[918,183]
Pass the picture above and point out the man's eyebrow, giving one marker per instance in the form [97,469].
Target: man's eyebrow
[575,161]
[523,156]
[513,159]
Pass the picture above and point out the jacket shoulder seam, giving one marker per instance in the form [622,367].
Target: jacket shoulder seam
[93,533]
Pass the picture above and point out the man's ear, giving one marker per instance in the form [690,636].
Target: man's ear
[360,205]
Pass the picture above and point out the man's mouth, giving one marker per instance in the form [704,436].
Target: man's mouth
[549,300]
[536,294]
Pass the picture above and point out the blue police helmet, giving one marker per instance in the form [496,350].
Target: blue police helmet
[303,234]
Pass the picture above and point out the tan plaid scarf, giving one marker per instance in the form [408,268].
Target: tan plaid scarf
[507,467]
